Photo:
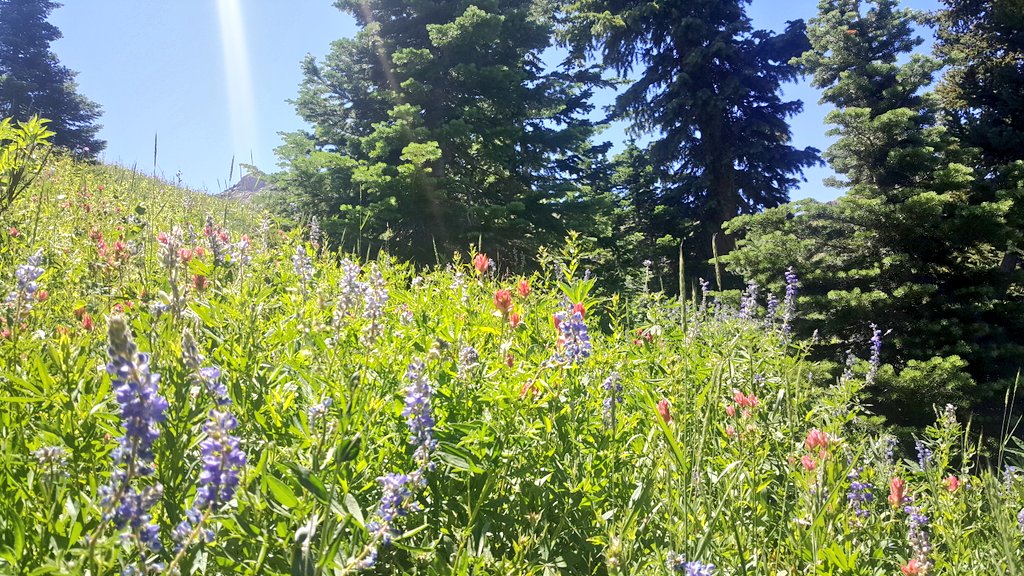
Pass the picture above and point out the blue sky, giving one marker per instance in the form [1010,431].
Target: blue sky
[211,78]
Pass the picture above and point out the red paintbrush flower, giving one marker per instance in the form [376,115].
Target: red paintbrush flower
[523,287]
[503,301]
[665,410]
[481,262]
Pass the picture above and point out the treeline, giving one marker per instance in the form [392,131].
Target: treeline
[926,241]
[439,126]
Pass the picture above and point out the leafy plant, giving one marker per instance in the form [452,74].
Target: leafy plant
[24,147]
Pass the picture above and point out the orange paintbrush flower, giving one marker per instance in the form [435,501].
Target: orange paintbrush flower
[897,491]
[523,287]
[503,301]
[664,410]
[481,262]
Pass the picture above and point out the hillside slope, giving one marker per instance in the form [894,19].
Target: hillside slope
[186,388]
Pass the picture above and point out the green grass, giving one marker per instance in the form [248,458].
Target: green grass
[528,475]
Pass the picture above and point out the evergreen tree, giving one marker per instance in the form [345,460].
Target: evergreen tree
[912,246]
[437,126]
[34,83]
[708,91]
[982,44]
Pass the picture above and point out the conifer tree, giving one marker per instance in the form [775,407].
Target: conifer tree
[912,246]
[437,126]
[708,89]
[34,83]
[982,44]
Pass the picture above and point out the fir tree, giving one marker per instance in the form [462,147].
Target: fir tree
[708,90]
[982,44]
[912,246]
[437,126]
[34,83]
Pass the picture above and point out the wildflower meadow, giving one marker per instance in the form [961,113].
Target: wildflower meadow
[188,386]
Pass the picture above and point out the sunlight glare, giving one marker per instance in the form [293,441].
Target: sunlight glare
[241,103]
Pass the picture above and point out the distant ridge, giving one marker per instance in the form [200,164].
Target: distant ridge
[246,188]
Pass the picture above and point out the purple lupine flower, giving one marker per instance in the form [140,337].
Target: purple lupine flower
[771,308]
[50,455]
[612,387]
[170,256]
[170,249]
[20,299]
[52,460]
[223,461]
[397,497]
[924,454]
[574,340]
[375,297]
[677,563]
[418,414]
[351,291]
[1010,476]
[318,411]
[395,502]
[303,266]
[182,533]
[876,354]
[789,303]
[705,291]
[406,316]
[848,367]
[207,376]
[240,251]
[459,286]
[29,272]
[369,560]
[915,516]
[948,416]
[1020,519]
[859,494]
[468,359]
[210,377]
[142,407]
[748,303]
[917,535]
[890,448]
[157,308]
[218,241]
[142,410]
[314,232]
[25,277]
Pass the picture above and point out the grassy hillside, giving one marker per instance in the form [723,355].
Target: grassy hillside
[186,388]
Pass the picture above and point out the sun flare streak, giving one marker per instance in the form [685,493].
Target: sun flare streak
[241,102]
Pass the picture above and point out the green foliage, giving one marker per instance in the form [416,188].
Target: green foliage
[532,472]
[708,89]
[982,45]
[983,48]
[22,156]
[941,380]
[437,127]
[34,83]
[916,245]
